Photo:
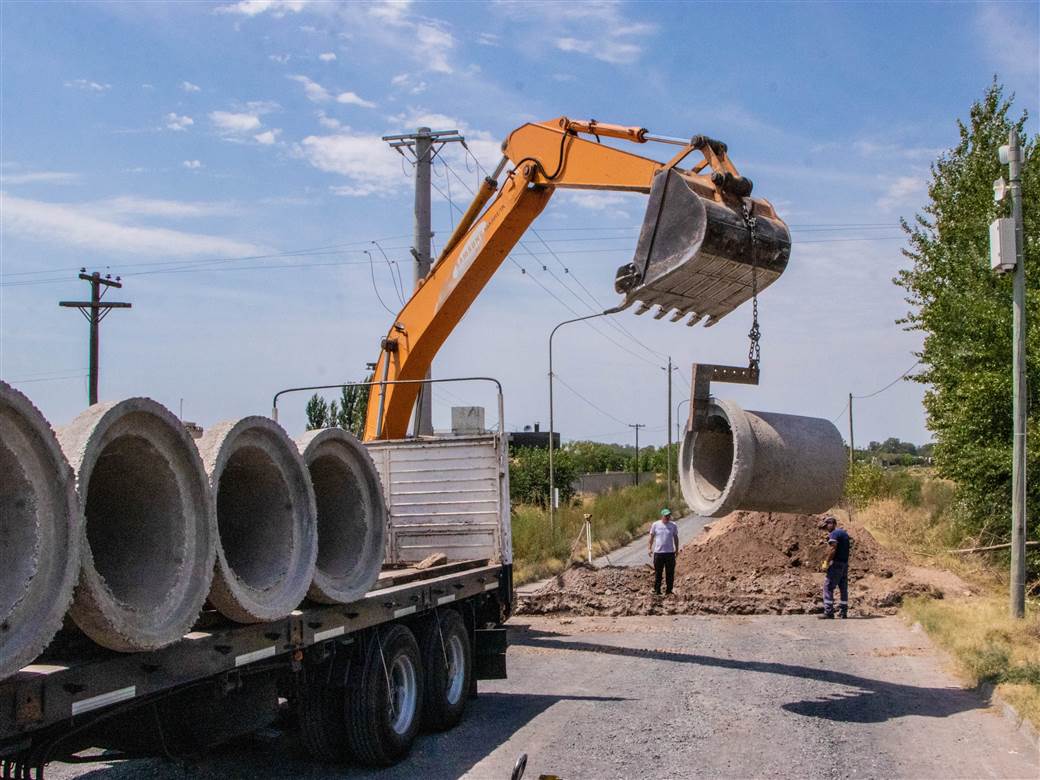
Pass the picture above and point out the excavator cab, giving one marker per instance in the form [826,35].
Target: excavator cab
[704,249]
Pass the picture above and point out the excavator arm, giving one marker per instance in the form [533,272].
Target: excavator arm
[705,246]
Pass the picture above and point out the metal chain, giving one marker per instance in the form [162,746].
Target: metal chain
[755,334]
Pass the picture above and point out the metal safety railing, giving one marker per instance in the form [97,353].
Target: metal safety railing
[382,386]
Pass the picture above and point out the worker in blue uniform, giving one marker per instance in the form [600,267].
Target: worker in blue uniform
[836,566]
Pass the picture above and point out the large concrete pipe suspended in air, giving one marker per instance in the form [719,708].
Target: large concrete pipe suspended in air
[40,528]
[352,515]
[266,520]
[760,461]
[149,543]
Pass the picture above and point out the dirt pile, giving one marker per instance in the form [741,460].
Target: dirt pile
[746,563]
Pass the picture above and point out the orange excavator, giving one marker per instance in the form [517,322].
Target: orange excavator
[706,246]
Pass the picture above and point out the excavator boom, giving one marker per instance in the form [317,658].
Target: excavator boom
[706,246]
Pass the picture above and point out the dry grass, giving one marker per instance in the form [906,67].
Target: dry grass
[987,645]
[618,517]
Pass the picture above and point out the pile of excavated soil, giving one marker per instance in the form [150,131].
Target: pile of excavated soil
[746,563]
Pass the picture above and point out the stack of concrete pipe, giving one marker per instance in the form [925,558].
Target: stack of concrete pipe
[122,523]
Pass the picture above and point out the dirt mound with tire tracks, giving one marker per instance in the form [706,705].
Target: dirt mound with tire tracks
[746,563]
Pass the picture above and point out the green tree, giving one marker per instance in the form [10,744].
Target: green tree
[529,475]
[964,311]
[353,408]
[317,413]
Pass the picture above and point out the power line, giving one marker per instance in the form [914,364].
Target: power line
[890,384]
[599,409]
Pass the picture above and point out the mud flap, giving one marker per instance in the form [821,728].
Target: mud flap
[695,256]
[489,654]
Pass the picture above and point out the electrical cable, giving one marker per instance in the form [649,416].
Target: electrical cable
[375,287]
[396,280]
[890,384]
[599,409]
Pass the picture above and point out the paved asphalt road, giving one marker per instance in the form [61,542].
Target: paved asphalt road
[634,554]
[689,697]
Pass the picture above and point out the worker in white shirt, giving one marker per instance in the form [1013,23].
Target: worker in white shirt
[664,545]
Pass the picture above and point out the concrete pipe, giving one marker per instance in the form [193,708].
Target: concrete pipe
[266,520]
[352,515]
[40,528]
[147,560]
[761,461]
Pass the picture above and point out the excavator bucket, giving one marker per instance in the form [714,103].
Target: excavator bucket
[699,257]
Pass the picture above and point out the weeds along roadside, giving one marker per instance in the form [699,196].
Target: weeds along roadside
[618,517]
[918,514]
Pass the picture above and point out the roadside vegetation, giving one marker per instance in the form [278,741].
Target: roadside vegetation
[935,503]
[618,517]
[920,514]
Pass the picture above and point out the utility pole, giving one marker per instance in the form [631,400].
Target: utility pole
[95,311]
[852,441]
[1012,155]
[421,145]
[637,426]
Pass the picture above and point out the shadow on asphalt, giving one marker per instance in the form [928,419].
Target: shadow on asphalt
[490,720]
[872,701]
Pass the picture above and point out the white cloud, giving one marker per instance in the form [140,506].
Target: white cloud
[433,44]
[597,201]
[192,165]
[596,29]
[281,59]
[903,192]
[327,121]
[147,86]
[409,82]
[1009,36]
[232,122]
[392,12]
[60,223]
[38,177]
[488,39]
[314,91]
[174,122]
[327,56]
[369,166]
[353,99]
[130,205]
[187,86]
[267,137]
[87,85]
[257,7]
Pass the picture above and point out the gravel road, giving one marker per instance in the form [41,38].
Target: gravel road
[691,697]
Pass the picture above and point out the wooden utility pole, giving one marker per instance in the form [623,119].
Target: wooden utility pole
[95,310]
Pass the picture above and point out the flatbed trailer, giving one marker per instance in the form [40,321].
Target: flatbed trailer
[322,661]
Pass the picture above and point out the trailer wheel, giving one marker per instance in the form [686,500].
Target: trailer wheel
[320,711]
[384,697]
[447,659]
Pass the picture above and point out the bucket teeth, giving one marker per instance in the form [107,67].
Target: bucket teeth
[643,307]
[661,311]
[694,319]
[679,314]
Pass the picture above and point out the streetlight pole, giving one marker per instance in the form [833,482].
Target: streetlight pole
[552,427]
[668,452]
[678,419]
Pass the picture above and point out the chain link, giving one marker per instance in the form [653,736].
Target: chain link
[755,334]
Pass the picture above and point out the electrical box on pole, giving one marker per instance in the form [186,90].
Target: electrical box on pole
[1002,247]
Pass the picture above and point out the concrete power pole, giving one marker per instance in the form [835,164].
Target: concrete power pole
[95,311]
[421,145]
[1020,398]
[668,459]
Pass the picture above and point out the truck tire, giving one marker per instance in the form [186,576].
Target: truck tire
[383,720]
[321,711]
[448,661]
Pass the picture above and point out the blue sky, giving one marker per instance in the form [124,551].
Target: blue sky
[166,142]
